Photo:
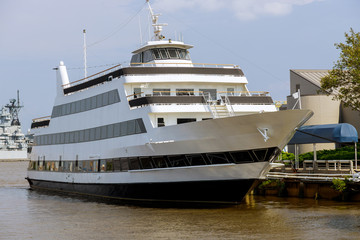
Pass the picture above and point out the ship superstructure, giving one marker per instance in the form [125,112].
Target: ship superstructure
[161,129]
[13,143]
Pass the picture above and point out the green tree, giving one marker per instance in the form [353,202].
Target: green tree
[343,80]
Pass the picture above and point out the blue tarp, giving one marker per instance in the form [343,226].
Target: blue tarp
[328,133]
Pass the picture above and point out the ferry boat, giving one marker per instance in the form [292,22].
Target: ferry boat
[13,143]
[163,129]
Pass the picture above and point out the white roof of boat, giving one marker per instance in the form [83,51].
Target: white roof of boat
[162,44]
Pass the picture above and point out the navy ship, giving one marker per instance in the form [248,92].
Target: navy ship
[13,144]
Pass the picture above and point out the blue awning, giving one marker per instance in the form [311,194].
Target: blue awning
[328,133]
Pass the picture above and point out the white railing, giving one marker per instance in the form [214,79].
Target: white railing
[205,65]
[323,165]
[229,106]
[208,100]
[199,93]
[244,93]
[334,165]
[96,75]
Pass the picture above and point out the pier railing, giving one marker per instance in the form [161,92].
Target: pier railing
[319,166]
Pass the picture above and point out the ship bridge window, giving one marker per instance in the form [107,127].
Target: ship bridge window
[173,53]
[160,53]
[157,54]
[136,58]
[163,53]
[148,56]
[184,54]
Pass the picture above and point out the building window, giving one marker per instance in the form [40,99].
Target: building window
[160,122]
[297,87]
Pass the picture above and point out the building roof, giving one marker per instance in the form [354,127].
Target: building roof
[312,75]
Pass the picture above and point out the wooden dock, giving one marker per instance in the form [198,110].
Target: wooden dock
[313,180]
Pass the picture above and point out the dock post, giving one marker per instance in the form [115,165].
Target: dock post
[315,157]
[355,156]
[296,157]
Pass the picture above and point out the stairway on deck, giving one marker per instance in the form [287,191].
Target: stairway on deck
[220,111]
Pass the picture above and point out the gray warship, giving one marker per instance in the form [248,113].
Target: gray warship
[13,143]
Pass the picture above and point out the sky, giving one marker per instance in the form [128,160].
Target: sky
[266,38]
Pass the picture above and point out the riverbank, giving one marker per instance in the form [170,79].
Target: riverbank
[340,189]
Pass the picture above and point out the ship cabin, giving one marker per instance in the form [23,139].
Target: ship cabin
[176,90]
[164,82]
[162,52]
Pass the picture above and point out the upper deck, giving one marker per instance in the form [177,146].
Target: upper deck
[151,69]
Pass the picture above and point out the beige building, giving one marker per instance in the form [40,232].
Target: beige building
[326,110]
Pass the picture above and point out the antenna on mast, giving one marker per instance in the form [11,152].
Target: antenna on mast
[157,26]
[18,99]
[85,64]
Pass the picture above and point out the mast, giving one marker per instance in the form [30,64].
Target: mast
[85,62]
[14,109]
[157,26]
[18,99]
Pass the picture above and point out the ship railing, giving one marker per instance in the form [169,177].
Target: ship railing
[198,93]
[96,75]
[190,64]
[163,93]
[210,102]
[244,93]
[230,98]
[229,105]
[107,74]
[199,97]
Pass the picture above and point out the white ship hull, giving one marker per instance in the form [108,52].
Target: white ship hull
[212,136]
[13,155]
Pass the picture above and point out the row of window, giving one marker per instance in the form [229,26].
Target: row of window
[125,128]
[182,92]
[160,53]
[139,163]
[86,104]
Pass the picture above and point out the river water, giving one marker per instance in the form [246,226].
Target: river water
[26,214]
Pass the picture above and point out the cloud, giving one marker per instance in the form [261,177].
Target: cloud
[242,9]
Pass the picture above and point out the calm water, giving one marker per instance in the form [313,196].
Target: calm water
[28,214]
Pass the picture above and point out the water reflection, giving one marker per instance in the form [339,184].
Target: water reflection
[26,214]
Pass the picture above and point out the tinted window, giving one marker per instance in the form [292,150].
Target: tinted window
[157,54]
[148,56]
[172,53]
